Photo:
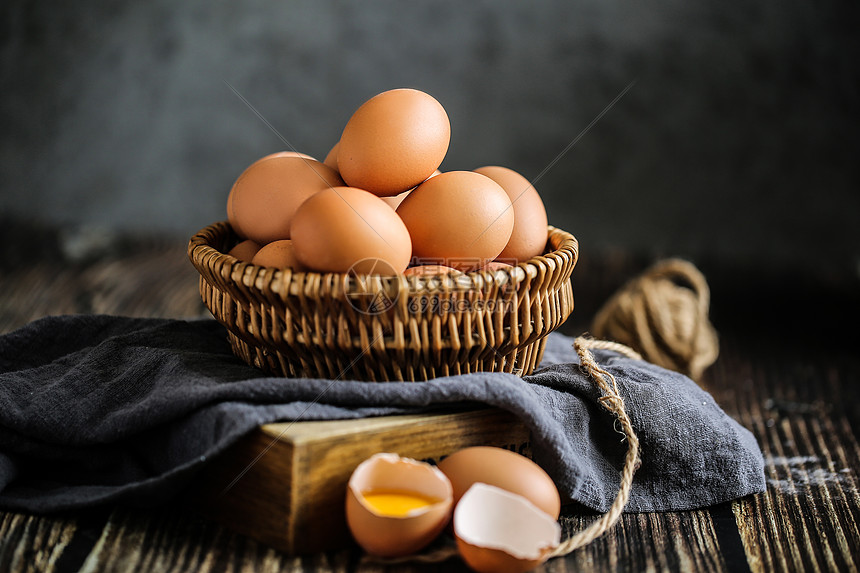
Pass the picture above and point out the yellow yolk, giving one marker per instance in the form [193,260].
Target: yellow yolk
[397,504]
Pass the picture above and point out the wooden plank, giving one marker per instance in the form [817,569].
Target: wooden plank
[285,484]
[172,542]
[159,283]
[808,517]
[679,541]
[32,543]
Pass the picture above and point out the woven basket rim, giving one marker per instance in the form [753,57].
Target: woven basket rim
[409,328]
[204,255]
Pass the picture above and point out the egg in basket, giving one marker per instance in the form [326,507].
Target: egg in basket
[373,265]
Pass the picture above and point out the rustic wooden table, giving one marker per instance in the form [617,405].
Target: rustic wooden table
[788,370]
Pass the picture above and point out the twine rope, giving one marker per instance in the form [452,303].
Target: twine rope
[663,314]
[612,401]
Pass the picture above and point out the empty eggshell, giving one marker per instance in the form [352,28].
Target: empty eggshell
[528,238]
[389,534]
[505,469]
[501,532]
[267,194]
[393,142]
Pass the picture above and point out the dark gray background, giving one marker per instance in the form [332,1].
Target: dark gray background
[738,141]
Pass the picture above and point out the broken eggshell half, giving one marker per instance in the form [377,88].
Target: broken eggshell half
[397,533]
[502,532]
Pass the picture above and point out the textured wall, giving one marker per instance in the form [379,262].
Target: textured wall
[738,139]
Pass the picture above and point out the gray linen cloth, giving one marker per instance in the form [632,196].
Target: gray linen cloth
[99,409]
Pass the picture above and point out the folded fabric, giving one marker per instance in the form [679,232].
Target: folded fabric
[97,409]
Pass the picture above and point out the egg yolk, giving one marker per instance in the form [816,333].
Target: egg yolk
[397,504]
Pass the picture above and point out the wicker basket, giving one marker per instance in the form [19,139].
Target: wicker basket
[381,328]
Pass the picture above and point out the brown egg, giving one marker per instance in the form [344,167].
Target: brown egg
[396,506]
[245,250]
[502,532]
[529,236]
[429,270]
[278,254]
[393,142]
[504,469]
[459,218]
[345,229]
[231,216]
[266,195]
[331,157]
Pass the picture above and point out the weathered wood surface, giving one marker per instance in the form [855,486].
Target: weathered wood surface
[788,374]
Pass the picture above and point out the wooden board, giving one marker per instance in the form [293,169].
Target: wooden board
[285,484]
[780,373]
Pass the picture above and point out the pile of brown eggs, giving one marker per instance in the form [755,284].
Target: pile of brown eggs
[378,202]
[504,507]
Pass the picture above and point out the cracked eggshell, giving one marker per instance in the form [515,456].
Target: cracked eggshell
[505,469]
[392,536]
[501,532]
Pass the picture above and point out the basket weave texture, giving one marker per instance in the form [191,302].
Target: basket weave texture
[385,328]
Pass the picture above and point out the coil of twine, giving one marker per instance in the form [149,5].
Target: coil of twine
[663,314]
